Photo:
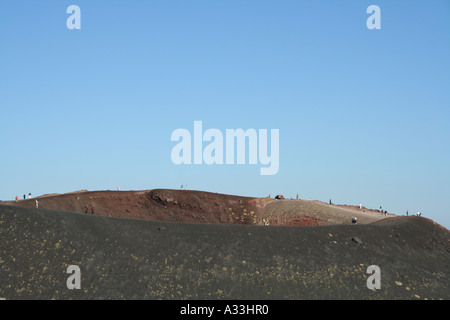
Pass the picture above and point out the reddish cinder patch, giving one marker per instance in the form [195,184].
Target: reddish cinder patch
[199,207]
[158,205]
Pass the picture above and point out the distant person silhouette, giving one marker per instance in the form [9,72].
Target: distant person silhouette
[29,195]
[24,197]
[92,210]
[36,203]
[86,209]
[17,199]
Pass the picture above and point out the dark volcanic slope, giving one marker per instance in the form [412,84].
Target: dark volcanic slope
[136,259]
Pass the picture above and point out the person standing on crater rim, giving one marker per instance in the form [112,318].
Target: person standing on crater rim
[92,210]
[86,209]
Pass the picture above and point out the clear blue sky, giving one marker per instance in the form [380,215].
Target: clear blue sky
[364,115]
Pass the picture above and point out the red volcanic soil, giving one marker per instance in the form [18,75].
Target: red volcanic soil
[200,207]
[158,205]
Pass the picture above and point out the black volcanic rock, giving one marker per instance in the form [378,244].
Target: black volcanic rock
[137,259]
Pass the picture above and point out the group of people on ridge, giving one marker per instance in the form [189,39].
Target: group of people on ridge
[86,209]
